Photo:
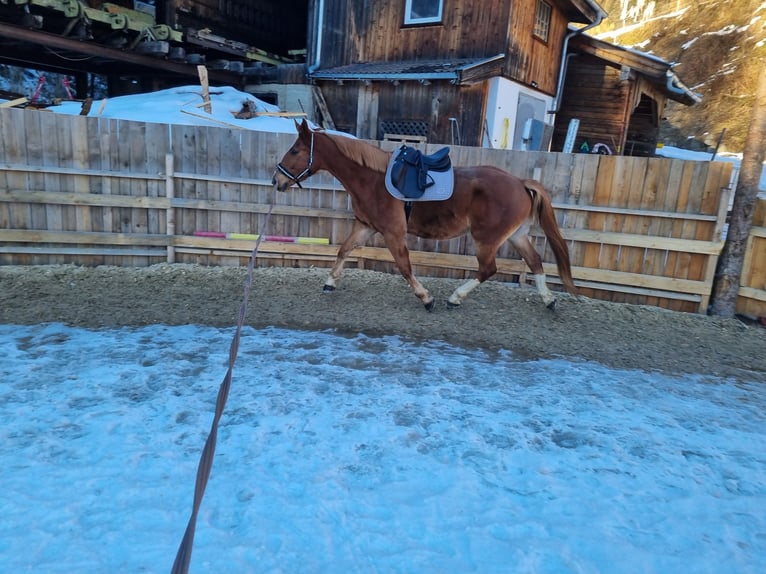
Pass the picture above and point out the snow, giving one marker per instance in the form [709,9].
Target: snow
[183,105]
[349,453]
[735,158]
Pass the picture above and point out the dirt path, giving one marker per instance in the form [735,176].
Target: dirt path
[495,316]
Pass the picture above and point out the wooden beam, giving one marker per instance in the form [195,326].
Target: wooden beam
[84,237]
[751,293]
[99,50]
[93,199]
[144,202]
[14,103]
[627,211]
[89,251]
[327,122]
[202,73]
[645,241]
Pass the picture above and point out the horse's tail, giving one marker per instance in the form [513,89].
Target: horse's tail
[543,211]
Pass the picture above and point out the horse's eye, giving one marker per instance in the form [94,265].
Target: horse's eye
[294,151]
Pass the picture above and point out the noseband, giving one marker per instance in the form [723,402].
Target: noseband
[305,173]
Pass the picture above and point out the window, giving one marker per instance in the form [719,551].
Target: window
[542,20]
[422,11]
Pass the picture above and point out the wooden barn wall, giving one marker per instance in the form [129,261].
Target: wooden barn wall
[373,31]
[589,80]
[342,103]
[435,103]
[751,300]
[530,60]
[93,191]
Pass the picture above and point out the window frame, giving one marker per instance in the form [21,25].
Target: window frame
[410,21]
[542,26]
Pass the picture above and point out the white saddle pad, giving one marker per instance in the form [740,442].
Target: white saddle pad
[439,191]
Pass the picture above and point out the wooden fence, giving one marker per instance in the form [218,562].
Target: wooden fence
[95,191]
[751,300]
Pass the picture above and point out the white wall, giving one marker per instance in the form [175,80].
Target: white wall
[502,112]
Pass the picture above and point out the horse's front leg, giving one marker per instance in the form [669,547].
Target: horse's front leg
[359,235]
[398,248]
[485,255]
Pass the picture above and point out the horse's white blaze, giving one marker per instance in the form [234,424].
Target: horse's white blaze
[462,292]
[542,288]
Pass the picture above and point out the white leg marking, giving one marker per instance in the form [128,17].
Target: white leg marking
[462,292]
[542,288]
[421,292]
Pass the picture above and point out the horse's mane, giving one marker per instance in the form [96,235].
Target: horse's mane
[361,152]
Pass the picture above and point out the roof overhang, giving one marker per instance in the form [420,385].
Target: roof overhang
[461,71]
[653,68]
[581,11]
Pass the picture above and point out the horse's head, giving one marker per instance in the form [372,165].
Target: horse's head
[296,164]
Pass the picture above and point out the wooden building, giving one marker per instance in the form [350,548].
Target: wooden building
[474,72]
[617,96]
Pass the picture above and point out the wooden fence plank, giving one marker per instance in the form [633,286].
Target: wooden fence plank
[36,155]
[751,299]
[16,145]
[5,209]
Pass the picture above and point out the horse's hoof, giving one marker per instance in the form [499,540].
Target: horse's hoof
[552,305]
[451,305]
[430,305]
[328,288]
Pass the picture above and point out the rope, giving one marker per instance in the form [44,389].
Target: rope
[183,556]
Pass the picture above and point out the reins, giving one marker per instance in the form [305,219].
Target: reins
[183,556]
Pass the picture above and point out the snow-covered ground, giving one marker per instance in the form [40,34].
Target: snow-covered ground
[183,105]
[346,453]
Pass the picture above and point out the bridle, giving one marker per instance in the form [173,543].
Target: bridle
[305,173]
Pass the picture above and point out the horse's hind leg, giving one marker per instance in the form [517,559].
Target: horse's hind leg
[359,235]
[528,252]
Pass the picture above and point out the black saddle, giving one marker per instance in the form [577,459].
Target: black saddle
[409,173]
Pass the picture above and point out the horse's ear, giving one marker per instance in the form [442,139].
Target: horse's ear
[303,127]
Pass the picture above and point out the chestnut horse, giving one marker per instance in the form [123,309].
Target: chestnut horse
[491,204]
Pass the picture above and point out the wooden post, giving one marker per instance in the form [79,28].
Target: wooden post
[202,71]
[170,214]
